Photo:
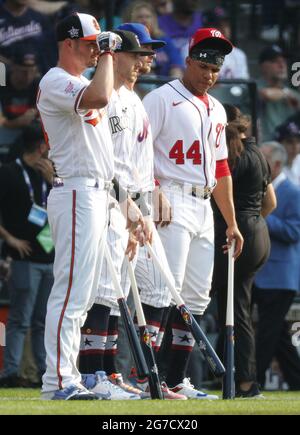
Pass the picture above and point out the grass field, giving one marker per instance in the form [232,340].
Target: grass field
[27,402]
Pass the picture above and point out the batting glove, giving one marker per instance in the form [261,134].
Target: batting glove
[108,42]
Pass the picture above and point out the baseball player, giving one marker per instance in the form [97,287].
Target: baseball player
[191,165]
[99,334]
[155,297]
[77,132]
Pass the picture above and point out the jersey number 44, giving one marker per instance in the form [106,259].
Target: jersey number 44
[193,153]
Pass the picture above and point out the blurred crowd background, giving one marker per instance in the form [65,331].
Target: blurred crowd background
[261,76]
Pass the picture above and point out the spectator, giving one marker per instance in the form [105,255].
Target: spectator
[47,7]
[278,101]
[168,61]
[98,8]
[17,98]
[235,65]
[271,10]
[162,7]
[288,134]
[278,281]
[254,198]
[19,23]
[181,24]
[56,10]
[24,187]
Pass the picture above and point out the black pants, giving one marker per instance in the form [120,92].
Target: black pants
[255,253]
[273,337]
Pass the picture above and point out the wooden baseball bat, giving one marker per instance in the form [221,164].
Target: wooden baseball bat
[137,353]
[228,380]
[208,351]
[145,339]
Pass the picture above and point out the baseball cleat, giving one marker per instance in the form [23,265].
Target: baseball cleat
[188,390]
[171,395]
[105,389]
[253,393]
[117,379]
[72,392]
[167,393]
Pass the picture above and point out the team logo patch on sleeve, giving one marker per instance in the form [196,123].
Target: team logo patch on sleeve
[70,89]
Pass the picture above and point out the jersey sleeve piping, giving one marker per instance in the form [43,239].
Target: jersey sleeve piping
[78,99]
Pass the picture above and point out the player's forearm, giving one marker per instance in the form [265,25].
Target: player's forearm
[223,196]
[4,234]
[98,93]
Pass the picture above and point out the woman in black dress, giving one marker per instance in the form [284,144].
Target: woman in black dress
[254,199]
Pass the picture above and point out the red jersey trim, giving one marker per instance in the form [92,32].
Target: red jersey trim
[204,99]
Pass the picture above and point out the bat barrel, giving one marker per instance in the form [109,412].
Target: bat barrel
[145,340]
[229,378]
[209,353]
[202,341]
[135,345]
[134,342]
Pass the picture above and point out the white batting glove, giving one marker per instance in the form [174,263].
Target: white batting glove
[108,42]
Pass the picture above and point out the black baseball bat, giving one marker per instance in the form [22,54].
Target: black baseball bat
[154,381]
[228,380]
[200,338]
[135,346]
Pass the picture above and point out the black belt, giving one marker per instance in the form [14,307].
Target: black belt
[204,193]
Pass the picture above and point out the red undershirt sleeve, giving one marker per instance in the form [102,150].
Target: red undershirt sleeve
[222,169]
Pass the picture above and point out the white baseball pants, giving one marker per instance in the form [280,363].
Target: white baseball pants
[189,246]
[153,290]
[77,214]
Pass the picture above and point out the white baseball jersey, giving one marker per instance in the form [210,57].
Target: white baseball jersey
[79,141]
[142,152]
[121,123]
[188,134]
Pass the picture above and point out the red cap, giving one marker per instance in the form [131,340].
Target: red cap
[210,33]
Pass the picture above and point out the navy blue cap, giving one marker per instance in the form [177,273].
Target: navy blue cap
[271,53]
[142,33]
[287,130]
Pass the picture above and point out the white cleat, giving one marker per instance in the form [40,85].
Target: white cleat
[105,389]
[72,392]
[188,390]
